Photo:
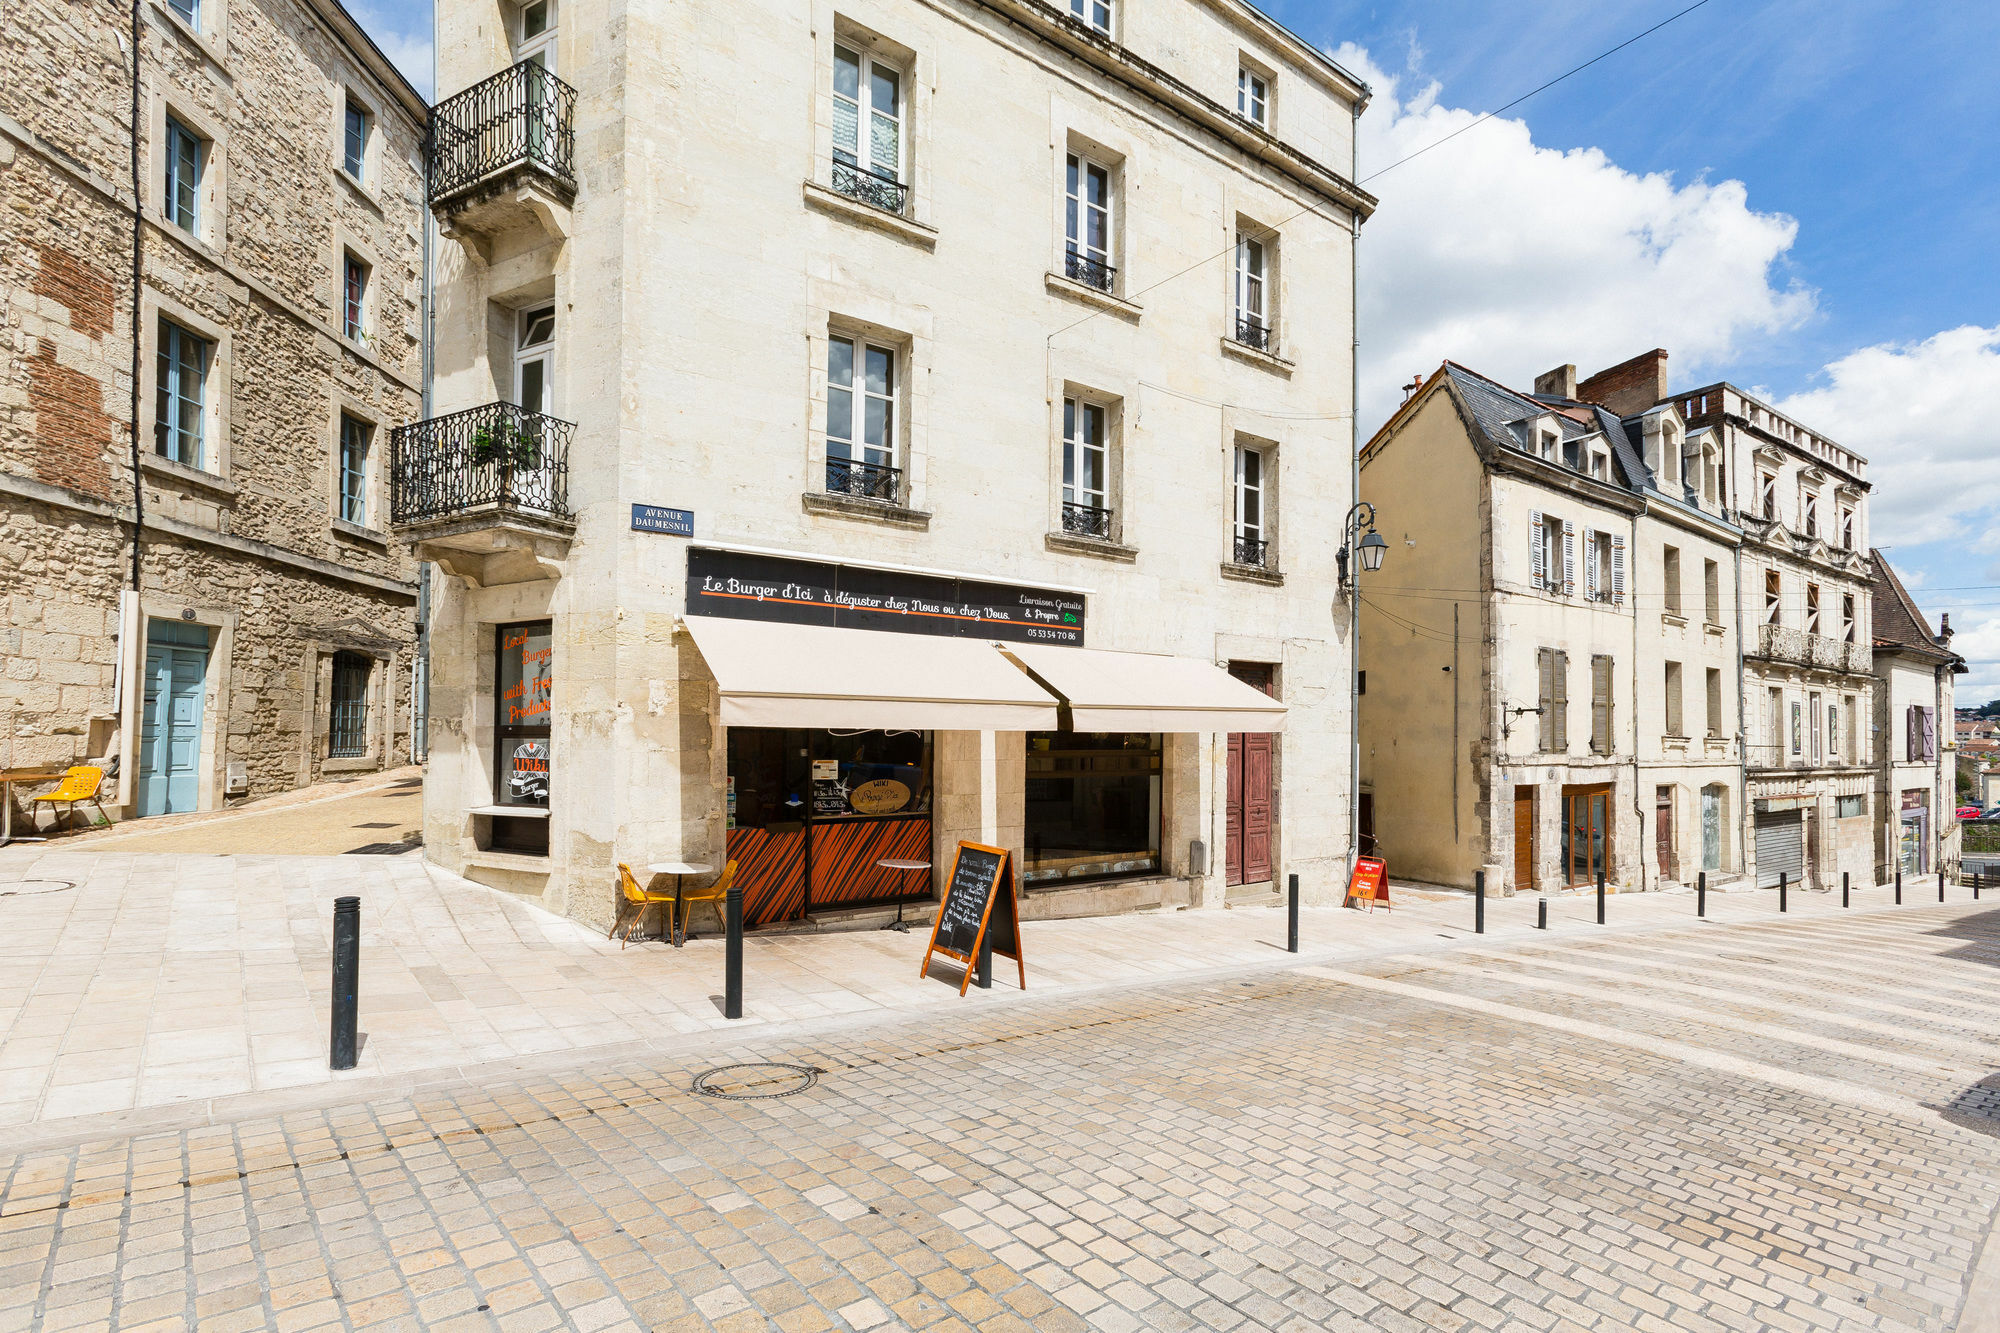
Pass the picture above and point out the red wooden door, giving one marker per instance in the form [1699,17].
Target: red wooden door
[1233,818]
[1257,753]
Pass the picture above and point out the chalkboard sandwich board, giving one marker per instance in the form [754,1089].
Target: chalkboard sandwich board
[978,905]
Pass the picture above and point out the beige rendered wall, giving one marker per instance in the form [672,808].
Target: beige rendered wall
[696,290]
[1428,486]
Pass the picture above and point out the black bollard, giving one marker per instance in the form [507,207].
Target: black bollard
[1600,895]
[1899,886]
[1975,886]
[1542,915]
[1479,902]
[732,955]
[1843,888]
[1784,882]
[985,978]
[1701,894]
[1292,911]
[344,1051]
[1940,886]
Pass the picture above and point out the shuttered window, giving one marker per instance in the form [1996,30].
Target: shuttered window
[1670,579]
[1600,705]
[1538,549]
[1554,699]
[1569,559]
[1675,719]
[1617,569]
[1593,583]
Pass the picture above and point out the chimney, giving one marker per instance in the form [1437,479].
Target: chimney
[1630,387]
[1410,389]
[1944,630]
[1557,383]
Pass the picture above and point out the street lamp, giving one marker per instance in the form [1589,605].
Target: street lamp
[1370,547]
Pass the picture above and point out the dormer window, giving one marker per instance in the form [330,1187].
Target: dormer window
[1711,475]
[1600,464]
[1573,455]
[1546,442]
[1670,455]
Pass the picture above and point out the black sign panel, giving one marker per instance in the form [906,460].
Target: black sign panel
[978,901]
[806,592]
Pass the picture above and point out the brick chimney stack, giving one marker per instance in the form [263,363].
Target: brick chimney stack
[1630,387]
[1557,383]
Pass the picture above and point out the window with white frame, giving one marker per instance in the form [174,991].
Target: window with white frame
[354,140]
[1086,470]
[356,436]
[354,275]
[1847,617]
[181,406]
[1252,96]
[1087,223]
[1252,538]
[861,420]
[186,160]
[188,10]
[1551,553]
[1546,444]
[1097,13]
[868,138]
[1253,311]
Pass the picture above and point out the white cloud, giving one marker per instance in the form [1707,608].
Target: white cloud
[403,31]
[1512,258]
[1924,415]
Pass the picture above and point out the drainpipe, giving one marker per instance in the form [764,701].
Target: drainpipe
[420,685]
[1638,774]
[138,222]
[1354,497]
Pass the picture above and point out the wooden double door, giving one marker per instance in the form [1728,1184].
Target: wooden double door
[1249,826]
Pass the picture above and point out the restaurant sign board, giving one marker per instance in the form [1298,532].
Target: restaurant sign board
[749,586]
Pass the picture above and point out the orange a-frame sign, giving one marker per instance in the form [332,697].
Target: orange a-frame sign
[1370,882]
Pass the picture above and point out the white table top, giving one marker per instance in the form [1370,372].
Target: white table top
[904,865]
[678,868]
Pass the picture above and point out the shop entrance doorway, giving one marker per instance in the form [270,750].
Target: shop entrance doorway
[1587,834]
[1251,772]
[170,726]
[1524,839]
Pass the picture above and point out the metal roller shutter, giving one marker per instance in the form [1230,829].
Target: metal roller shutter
[1781,846]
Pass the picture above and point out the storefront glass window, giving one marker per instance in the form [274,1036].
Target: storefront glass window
[870,773]
[1093,805]
[522,679]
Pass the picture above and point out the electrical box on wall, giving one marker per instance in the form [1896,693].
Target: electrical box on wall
[236,778]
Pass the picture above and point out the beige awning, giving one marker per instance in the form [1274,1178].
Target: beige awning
[1109,691]
[778,675]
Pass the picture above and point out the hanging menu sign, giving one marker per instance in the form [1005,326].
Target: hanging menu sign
[807,592]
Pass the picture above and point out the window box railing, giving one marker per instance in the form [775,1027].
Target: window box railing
[522,116]
[485,459]
[1252,550]
[1253,333]
[864,481]
[873,188]
[1087,521]
[1090,272]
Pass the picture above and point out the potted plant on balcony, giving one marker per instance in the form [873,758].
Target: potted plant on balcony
[507,445]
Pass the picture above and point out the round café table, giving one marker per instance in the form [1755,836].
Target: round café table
[894,863]
[679,870]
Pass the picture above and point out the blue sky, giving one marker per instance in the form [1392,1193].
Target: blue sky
[1796,195]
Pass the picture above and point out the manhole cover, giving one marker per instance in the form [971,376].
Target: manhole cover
[26,886]
[744,1083]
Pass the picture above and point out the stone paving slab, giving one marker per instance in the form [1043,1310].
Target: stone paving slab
[131,982]
[1291,1150]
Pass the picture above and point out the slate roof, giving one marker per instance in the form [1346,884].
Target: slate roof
[1503,415]
[1900,625]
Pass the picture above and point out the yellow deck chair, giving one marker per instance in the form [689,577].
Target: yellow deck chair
[79,784]
[632,904]
[713,893]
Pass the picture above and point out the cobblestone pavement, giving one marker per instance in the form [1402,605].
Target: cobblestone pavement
[1767,1125]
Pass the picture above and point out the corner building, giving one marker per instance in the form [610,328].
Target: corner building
[209,301]
[861,427]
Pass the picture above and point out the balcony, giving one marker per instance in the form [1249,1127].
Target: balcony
[1092,273]
[1250,551]
[1086,521]
[1814,652]
[484,493]
[1253,333]
[870,187]
[864,481]
[1775,757]
[503,159]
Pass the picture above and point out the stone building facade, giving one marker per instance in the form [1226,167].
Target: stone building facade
[1916,765]
[987,302]
[196,400]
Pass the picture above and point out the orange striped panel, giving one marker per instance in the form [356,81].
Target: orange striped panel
[844,873]
[771,867]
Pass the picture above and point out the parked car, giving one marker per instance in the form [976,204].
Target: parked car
[1990,817]
[1969,812]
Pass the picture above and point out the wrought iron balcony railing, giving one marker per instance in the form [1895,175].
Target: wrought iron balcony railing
[1088,271]
[873,188]
[495,458]
[1087,521]
[521,116]
[1253,332]
[866,481]
[1782,643]
[1252,551]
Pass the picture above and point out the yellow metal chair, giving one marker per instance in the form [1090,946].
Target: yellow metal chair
[632,904]
[79,784]
[713,893]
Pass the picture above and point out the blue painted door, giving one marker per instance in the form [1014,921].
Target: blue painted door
[170,730]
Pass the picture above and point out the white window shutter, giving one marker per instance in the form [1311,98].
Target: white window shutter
[1618,569]
[1569,559]
[1538,553]
[1590,588]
